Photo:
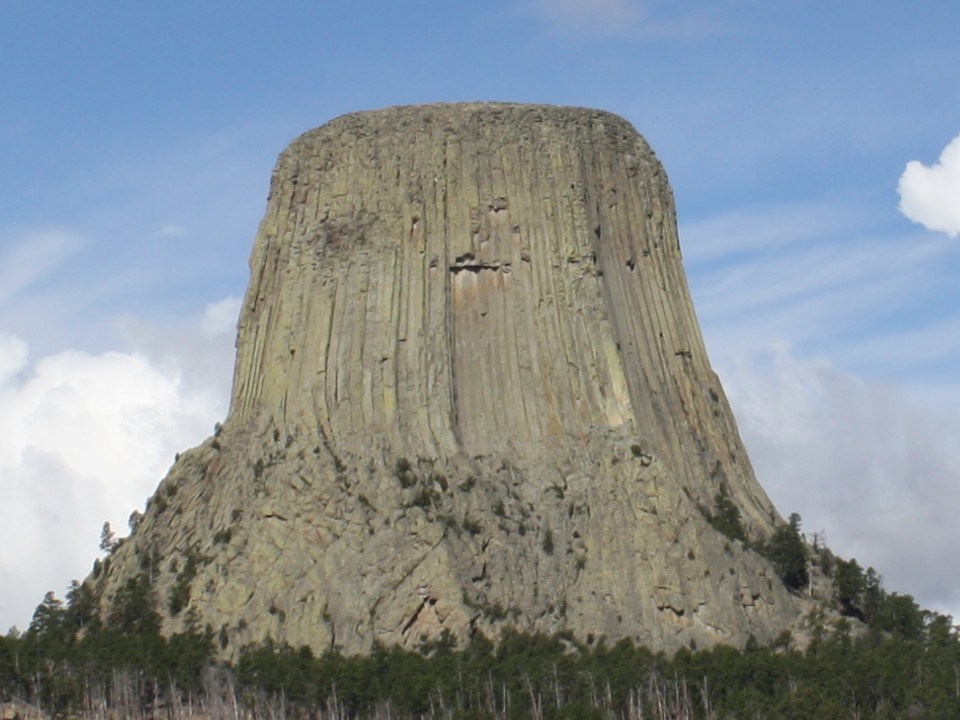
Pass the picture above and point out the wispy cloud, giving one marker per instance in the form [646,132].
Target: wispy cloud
[149,240]
[172,230]
[644,18]
[930,195]
[816,276]
[593,15]
[29,257]
[924,344]
[765,229]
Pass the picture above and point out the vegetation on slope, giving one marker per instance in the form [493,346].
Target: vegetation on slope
[886,659]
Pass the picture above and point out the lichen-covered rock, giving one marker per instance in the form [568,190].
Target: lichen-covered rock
[470,392]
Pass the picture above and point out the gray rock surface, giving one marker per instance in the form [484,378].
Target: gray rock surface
[470,392]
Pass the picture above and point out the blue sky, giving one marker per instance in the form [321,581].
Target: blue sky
[136,144]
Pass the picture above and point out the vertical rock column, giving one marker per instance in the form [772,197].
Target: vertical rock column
[481,279]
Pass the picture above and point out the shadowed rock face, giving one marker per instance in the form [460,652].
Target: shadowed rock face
[470,391]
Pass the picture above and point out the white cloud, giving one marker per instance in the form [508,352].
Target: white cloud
[13,358]
[931,195]
[85,438]
[221,317]
[859,460]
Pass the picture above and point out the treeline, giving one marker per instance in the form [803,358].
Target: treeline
[882,657]
[72,661]
[530,676]
[907,672]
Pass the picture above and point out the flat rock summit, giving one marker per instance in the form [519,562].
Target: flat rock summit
[470,393]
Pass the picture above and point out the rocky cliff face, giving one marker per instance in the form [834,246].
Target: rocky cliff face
[470,392]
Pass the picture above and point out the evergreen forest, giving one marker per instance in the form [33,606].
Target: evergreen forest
[872,654]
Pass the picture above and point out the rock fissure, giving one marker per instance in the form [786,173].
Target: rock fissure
[476,267]
[413,618]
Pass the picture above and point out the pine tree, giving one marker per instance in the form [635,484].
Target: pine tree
[108,540]
[726,516]
[788,552]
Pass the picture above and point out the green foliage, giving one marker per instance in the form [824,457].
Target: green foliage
[68,656]
[49,629]
[133,610]
[405,474]
[899,615]
[425,498]
[550,677]
[108,540]
[277,613]
[849,586]
[81,613]
[133,522]
[879,674]
[223,536]
[901,664]
[158,501]
[788,553]
[441,480]
[726,516]
[180,592]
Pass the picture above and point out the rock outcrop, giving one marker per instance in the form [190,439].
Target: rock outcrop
[470,392]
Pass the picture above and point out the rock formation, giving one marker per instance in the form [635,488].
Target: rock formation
[470,393]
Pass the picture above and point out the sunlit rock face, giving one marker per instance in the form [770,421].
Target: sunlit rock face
[470,393]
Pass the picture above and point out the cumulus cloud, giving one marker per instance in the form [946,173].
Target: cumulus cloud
[931,195]
[858,460]
[85,438]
